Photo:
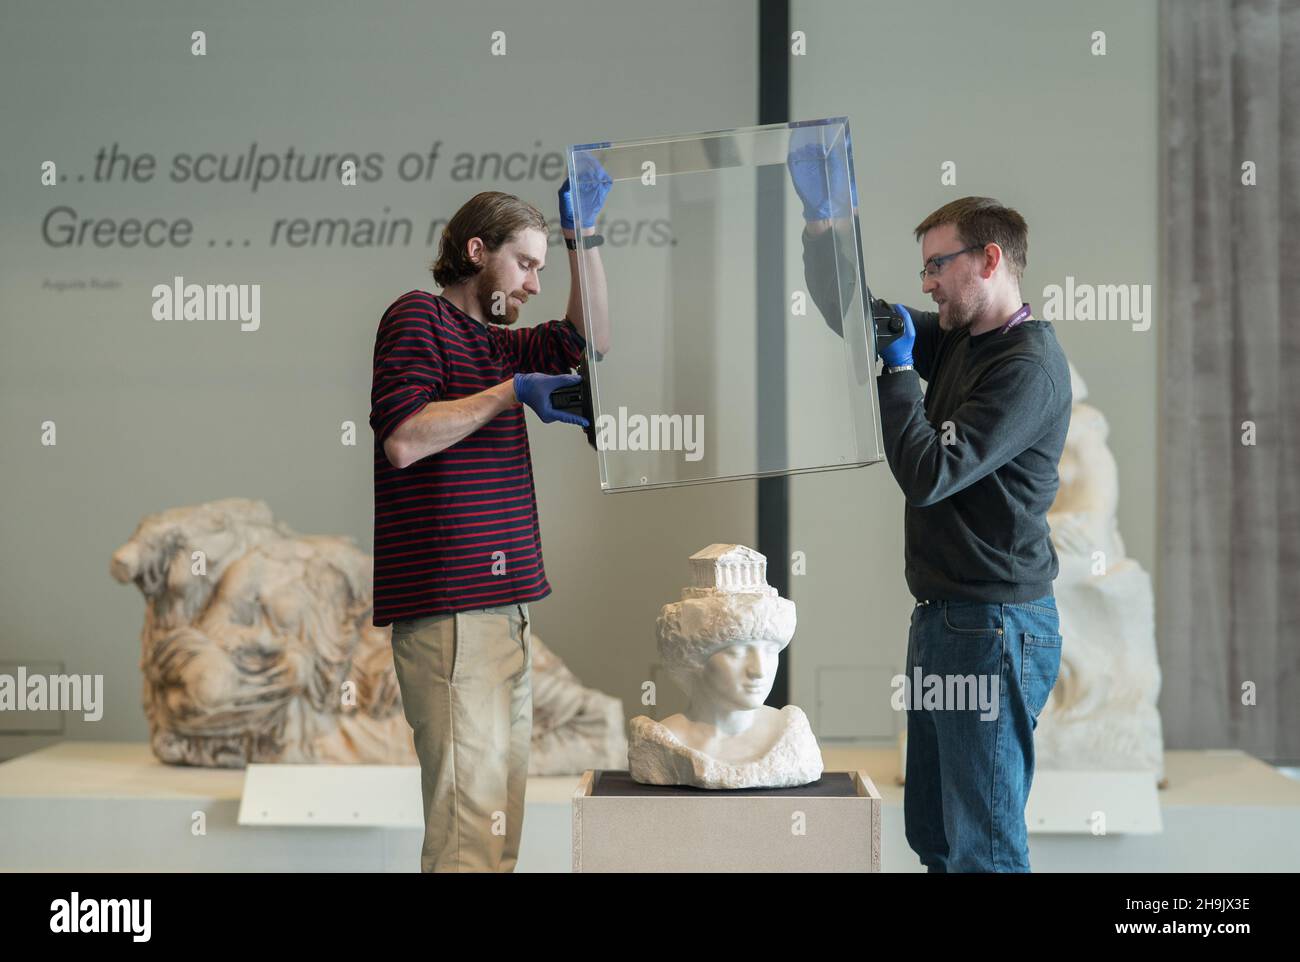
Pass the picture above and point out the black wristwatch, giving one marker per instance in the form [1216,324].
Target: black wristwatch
[588,241]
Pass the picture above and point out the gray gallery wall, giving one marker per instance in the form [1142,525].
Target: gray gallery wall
[152,415]
[1015,97]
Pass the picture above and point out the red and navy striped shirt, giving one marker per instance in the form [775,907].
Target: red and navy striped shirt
[457,530]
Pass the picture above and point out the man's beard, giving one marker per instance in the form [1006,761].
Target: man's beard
[489,303]
[962,312]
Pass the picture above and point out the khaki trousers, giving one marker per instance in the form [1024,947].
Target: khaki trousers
[466,683]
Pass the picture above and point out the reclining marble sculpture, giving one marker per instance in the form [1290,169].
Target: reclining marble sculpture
[258,646]
[720,644]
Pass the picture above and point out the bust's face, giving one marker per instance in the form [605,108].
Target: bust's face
[739,676]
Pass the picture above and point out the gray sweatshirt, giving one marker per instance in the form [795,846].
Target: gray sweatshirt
[975,523]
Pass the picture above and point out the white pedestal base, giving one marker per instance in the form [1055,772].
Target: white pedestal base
[831,826]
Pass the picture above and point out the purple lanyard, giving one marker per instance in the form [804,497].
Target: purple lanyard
[1021,315]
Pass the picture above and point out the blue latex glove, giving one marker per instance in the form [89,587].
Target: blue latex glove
[899,351]
[594,184]
[535,391]
[820,174]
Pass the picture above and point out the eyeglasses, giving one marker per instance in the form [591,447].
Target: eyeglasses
[935,264]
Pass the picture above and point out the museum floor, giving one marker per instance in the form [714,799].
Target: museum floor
[111,806]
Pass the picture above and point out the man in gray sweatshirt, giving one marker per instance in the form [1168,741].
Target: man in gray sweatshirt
[976,456]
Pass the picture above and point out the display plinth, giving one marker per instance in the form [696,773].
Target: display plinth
[832,825]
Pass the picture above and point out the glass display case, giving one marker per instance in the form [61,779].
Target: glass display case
[736,334]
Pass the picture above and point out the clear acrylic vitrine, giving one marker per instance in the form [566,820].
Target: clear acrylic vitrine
[725,341]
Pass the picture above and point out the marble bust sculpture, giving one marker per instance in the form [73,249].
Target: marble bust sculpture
[720,644]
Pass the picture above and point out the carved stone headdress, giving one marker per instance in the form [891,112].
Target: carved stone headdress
[728,602]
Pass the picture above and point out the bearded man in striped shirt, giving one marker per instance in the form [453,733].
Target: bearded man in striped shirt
[457,543]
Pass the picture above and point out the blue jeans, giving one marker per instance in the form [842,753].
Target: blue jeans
[969,764]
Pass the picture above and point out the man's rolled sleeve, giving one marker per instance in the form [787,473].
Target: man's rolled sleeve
[409,370]
[553,347]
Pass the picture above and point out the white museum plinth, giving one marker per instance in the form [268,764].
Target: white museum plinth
[832,825]
[112,806]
